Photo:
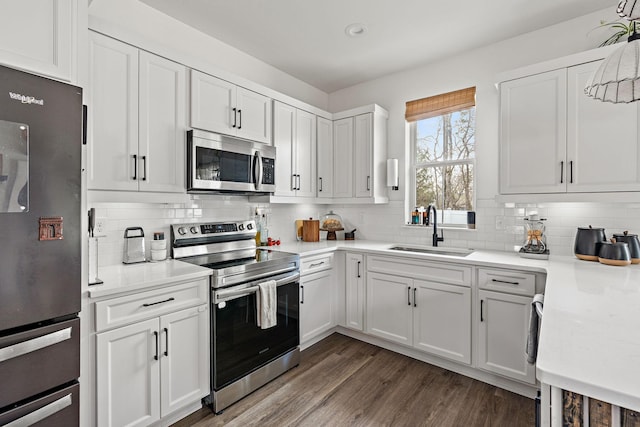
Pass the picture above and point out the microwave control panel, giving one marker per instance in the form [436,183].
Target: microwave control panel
[268,171]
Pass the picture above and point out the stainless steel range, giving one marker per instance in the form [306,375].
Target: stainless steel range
[244,357]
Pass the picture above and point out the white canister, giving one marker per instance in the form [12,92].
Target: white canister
[158,254]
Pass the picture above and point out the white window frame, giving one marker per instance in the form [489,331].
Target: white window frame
[414,166]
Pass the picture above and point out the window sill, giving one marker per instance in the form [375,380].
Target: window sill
[446,227]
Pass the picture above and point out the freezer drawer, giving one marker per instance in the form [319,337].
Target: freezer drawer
[38,360]
[58,409]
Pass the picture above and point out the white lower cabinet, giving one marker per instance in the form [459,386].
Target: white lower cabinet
[150,368]
[430,316]
[354,295]
[316,305]
[502,335]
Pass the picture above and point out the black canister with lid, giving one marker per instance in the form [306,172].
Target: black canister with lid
[634,245]
[588,242]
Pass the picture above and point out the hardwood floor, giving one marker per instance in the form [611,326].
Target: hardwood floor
[346,382]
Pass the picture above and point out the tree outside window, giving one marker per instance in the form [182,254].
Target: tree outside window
[443,163]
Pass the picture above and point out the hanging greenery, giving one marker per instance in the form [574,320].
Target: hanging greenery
[622,28]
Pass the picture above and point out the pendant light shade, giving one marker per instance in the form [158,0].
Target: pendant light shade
[629,9]
[617,79]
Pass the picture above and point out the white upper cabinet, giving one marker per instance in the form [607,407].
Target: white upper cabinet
[360,156]
[137,119]
[162,123]
[533,134]
[603,148]
[113,115]
[325,157]
[343,157]
[294,133]
[556,139]
[37,36]
[223,107]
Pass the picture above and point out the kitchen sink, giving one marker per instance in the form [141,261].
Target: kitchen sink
[432,250]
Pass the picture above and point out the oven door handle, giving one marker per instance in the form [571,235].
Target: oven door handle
[228,295]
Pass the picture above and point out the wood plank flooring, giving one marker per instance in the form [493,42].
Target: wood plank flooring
[345,382]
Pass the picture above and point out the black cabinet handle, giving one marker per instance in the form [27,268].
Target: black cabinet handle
[320,178]
[235,118]
[144,167]
[166,349]
[481,318]
[240,121]
[155,333]
[302,296]
[409,296]
[415,304]
[368,183]
[149,304]
[135,167]
[505,281]
[562,172]
[358,269]
[571,172]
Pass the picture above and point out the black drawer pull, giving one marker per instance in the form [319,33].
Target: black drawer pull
[409,296]
[505,281]
[481,318]
[166,349]
[155,333]
[318,264]
[149,304]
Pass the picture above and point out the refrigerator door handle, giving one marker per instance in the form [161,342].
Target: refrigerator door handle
[34,344]
[42,413]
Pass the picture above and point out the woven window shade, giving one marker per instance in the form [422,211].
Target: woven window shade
[440,104]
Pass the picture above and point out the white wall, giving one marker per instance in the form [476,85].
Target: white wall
[149,29]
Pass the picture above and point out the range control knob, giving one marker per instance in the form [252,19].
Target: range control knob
[249,226]
[194,230]
[241,227]
[182,231]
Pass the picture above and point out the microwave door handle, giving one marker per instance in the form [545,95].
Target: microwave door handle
[257,170]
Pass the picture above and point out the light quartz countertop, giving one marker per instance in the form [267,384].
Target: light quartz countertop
[589,341]
[123,278]
[590,333]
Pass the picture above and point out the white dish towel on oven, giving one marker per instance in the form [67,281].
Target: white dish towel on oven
[267,304]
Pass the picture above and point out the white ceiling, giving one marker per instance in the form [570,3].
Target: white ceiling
[306,38]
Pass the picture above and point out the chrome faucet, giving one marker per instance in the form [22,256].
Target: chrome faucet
[435,239]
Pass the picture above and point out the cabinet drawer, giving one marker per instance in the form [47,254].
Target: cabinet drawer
[145,305]
[416,269]
[316,263]
[513,282]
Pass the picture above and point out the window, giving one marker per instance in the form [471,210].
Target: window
[443,154]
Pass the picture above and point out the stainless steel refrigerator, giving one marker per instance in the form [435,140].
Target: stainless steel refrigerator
[40,243]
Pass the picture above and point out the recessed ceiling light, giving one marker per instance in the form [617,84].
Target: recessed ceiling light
[355,30]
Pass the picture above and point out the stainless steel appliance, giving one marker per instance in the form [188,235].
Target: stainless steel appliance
[244,357]
[40,191]
[218,163]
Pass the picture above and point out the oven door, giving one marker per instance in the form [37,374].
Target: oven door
[218,163]
[239,345]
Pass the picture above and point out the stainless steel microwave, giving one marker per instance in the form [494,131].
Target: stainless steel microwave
[218,163]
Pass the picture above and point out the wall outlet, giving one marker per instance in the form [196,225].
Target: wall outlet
[100,227]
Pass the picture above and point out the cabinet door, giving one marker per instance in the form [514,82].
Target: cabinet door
[212,104]
[162,124]
[442,320]
[363,140]
[38,36]
[354,298]
[284,132]
[343,157]
[113,115]
[306,153]
[254,115]
[389,307]
[128,375]
[602,139]
[533,134]
[184,358]
[503,330]
[316,304]
[325,158]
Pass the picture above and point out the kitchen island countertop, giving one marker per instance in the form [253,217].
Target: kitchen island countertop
[588,340]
